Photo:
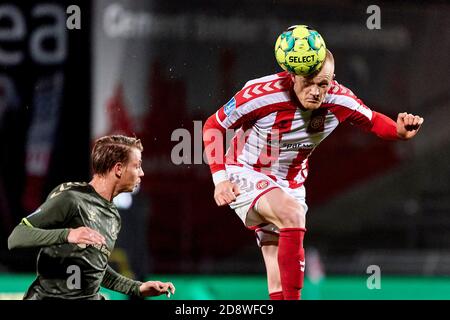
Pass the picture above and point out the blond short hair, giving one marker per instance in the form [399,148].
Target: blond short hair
[109,150]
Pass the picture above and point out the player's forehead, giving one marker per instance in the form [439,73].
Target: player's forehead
[135,155]
[325,74]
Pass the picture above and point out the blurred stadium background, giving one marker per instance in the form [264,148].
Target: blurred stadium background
[150,67]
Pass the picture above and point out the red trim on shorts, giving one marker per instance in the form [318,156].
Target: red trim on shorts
[263,224]
[259,196]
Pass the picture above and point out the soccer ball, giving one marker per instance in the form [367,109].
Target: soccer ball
[300,50]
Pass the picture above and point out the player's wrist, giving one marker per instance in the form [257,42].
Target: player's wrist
[137,289]
[65,235]
[219,176]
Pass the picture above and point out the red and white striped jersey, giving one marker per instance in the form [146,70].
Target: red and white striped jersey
[275,135]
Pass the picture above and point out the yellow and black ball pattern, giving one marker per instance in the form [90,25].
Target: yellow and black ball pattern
[300,50]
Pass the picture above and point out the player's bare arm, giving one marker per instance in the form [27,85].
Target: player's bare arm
[408,125]
[226,192]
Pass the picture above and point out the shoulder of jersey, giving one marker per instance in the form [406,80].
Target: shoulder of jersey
[342,97]
[279,82]
[66,186]
[339,89]
[338,94]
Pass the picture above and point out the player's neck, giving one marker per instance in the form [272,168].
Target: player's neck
[103,187]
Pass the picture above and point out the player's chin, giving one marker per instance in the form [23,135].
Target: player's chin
[131,188]
[136,185]
[311,104]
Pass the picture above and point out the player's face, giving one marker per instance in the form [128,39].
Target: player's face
[133,171]
[311,90]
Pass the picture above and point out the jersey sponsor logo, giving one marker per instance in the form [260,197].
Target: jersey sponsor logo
[229,106]
[290,146]
[102,248]
[262,184]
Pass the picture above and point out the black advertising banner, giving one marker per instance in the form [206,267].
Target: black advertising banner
[44,101]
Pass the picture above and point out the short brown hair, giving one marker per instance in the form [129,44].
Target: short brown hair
[109,150]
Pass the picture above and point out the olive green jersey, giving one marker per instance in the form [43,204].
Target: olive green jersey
[66,270]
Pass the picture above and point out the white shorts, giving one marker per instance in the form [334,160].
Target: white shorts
[253,185]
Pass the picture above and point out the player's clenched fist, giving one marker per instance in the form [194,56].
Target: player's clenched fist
[85,235]
[408,125]
[226,192]
[156,288]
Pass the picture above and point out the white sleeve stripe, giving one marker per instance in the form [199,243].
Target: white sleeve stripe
[257,103]
[348,102]
[365,111]
[218,120]
[262,80]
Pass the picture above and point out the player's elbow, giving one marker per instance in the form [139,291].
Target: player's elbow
[209,123]
[14,239]
[212,130]
[12,243]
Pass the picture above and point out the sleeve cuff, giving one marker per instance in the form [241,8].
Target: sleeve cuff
[65,235]
[219,177]
[136,289]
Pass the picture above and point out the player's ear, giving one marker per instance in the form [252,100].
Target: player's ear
[292,75]
[118,169]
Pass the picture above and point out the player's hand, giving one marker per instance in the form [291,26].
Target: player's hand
[156,288]
[226,192]
[85,235]
[408,125]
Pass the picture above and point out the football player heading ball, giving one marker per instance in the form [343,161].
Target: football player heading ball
[300,107]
